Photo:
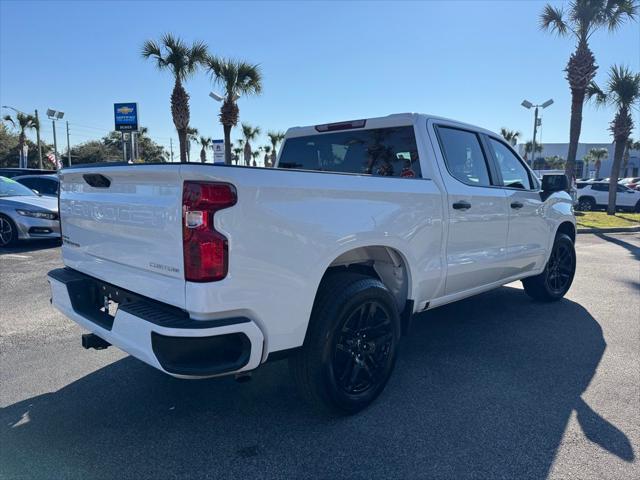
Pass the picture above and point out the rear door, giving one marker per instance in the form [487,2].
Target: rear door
[123,224]
[529,231]
[477,211]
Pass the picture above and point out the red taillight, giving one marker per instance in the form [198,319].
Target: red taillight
[206,254]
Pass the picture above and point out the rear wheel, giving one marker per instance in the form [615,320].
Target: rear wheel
[554,282]
[8,231]
[586,204]
[350,348]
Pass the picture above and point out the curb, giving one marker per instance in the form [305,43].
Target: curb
[609,230]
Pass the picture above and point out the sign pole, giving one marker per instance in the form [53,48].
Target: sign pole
[124,148]
[68,146]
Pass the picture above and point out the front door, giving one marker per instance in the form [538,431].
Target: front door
[477,212]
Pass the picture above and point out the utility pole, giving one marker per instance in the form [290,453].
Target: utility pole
[38,140]
[68,146]
[171,148]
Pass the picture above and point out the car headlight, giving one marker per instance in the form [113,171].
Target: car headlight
[38,214]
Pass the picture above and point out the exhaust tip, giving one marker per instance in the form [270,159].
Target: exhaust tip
[91,340]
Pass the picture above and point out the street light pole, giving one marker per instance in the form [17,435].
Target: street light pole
[55,140]
[527,104]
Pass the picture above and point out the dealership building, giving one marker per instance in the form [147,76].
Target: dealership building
[560,149]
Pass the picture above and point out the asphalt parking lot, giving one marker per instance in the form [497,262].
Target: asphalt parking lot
[495,386]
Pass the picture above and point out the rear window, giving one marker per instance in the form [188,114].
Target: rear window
[389,152]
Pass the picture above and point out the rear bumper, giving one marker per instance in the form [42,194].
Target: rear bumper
[158,334]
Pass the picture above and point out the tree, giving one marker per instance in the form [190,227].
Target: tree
[238,78]
[255,156]
[205,142]
[597,155]
[582,20]
[275,138]
[192,136]
[267,156]
[623,93]
[171,53]
[587,159]
[22,122]
[510,136]
[554,162]
[528,146]
[250,133]
[631,145]
[236,154]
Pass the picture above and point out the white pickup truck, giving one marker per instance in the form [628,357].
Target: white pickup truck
[204,270]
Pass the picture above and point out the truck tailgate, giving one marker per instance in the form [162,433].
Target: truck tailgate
[123,224]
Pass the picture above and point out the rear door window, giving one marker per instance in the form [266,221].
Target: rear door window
[463,156]
[388,152]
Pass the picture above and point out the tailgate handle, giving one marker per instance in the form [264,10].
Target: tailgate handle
[96,180]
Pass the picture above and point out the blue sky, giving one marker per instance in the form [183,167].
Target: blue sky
[327,61]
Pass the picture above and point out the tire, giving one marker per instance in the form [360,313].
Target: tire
[351,344]
[586,204]
[8,232]
[556,279]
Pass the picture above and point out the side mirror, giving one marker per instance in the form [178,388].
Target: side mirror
[555,183]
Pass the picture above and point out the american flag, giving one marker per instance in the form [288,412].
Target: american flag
[54,161]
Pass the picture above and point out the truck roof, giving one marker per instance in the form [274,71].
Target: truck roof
[393,120]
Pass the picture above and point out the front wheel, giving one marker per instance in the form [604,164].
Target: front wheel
[586,204]
[8,232]
[350,348]
[554,282]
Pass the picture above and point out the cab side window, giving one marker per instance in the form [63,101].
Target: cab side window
[514,173]
[463,156]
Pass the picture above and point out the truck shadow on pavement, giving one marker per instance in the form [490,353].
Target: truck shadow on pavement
[483,388]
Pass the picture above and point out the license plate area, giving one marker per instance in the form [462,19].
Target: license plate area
[98,301]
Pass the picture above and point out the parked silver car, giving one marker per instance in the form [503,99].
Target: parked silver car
[25,215]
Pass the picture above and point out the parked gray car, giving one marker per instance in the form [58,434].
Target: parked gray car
[25,215]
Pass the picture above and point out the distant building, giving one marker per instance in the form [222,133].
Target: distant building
[560,149]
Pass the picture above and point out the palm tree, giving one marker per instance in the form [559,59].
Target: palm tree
[582,20]
[238,78]
[236,154]
[597,155]
[205,142]
[623,93]
[510,136]
[528,146]
[631,145]
[255,156]
[192,136]
[587,159]
[267,156]
[275,138]
[22,122]
[250,133]
[555,162]
[171,53]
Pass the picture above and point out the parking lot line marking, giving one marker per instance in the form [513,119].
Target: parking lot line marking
[14,255]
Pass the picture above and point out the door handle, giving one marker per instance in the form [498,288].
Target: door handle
[461,205]
[517,205]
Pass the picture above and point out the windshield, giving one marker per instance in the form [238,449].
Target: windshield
[11,188]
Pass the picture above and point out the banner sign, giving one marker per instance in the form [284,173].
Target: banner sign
[218,151]
[126,117]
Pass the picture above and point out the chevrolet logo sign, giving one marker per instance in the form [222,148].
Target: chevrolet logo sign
[125,110]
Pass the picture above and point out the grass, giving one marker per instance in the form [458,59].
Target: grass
[602,220]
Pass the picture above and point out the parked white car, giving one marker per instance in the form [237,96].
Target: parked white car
[202,270]
[594,195]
